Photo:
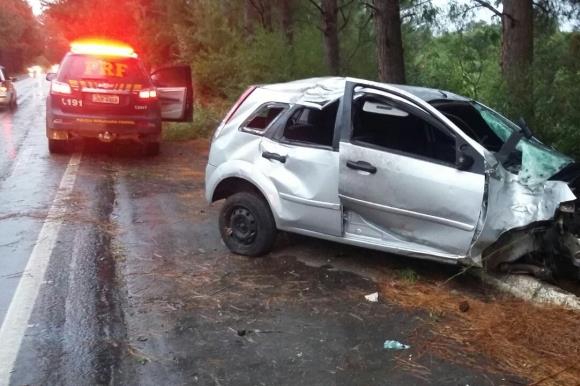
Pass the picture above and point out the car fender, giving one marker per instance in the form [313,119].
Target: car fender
[246,171]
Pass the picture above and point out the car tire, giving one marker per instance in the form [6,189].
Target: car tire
[59,146]
[247,225]
[152,149]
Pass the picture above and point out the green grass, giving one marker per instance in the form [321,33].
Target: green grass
[408,275]
[205,121]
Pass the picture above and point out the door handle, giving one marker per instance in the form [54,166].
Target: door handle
[361,165]
[274,156]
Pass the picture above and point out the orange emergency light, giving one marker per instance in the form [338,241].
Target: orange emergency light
[102,47]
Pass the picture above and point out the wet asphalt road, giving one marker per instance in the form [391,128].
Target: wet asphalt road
[131,285]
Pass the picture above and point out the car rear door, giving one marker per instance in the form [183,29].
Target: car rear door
[175,92]
[398,182]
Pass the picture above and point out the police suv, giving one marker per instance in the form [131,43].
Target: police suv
[103,91]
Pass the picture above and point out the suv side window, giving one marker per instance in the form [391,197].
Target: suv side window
[308,126]
[263,117]
[379,123]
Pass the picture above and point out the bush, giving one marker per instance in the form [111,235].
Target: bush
[205,121]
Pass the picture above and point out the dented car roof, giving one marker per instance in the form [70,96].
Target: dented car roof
[327,89]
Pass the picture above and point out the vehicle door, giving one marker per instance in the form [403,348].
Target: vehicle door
[299,159]
[175,91]
[406,180]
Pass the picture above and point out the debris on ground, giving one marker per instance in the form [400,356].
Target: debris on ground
[395,345]
[539,343]
[373,298]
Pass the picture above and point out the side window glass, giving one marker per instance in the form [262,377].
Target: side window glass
[176,76]
[312,126]
[262,118]
[379,123]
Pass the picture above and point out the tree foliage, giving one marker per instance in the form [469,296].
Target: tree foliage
[20,39]
[234,43]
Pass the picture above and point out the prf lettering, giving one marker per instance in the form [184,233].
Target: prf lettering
[104,68]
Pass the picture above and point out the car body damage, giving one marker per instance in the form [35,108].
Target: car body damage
[415,171]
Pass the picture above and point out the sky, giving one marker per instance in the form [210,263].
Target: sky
[36,8]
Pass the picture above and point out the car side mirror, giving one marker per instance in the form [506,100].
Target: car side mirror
[12,79]
[464,161]
[51,76]
[526,131]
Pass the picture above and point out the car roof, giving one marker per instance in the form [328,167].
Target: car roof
[328,89]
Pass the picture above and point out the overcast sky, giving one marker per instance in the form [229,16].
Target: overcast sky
[35,4]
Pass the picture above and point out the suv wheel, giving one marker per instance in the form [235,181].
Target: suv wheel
[152,148]
[58,146]
[247,225]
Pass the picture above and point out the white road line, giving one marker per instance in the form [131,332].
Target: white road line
[18,314]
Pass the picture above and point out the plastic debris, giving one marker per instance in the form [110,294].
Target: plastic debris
[374,297]
[394,345]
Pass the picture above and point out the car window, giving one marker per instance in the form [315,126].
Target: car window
[177,76]
[262,118]
[112,69]
[379,123]
[312,126]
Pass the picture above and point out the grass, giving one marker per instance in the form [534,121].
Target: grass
[408,275]
[205,120]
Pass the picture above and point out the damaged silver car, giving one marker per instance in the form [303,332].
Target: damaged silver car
[414,171]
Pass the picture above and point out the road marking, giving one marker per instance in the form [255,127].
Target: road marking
[17,317]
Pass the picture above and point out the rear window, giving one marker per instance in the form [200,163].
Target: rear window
[263,117]
[112,69]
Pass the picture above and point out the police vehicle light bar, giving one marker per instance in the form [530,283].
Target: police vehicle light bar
[102,47]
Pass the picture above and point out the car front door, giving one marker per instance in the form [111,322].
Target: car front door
[175,92]
[406,180]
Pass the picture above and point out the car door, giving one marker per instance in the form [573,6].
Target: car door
[175,92]
[399,180]
[299,159]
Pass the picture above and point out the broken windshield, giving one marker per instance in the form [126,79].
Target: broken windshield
[534,162]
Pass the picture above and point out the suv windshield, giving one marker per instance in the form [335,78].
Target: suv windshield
[534,161]
[111,69]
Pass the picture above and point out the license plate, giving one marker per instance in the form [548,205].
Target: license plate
[110,99]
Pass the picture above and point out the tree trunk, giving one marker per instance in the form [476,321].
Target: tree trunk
[251,17]
[391,63]
[287,20]
[517,56]
[330,33]
[258,12]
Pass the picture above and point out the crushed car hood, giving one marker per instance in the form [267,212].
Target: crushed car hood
[511,202]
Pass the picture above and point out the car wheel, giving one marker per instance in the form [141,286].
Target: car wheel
[58,146]
[247,225]
[152,148]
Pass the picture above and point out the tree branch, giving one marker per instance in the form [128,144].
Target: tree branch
[541,7]
[369,5]
[487,5]
[317,6]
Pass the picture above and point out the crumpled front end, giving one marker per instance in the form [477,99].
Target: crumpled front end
[523,227]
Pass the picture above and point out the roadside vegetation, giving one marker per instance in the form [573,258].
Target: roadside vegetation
[525,63]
